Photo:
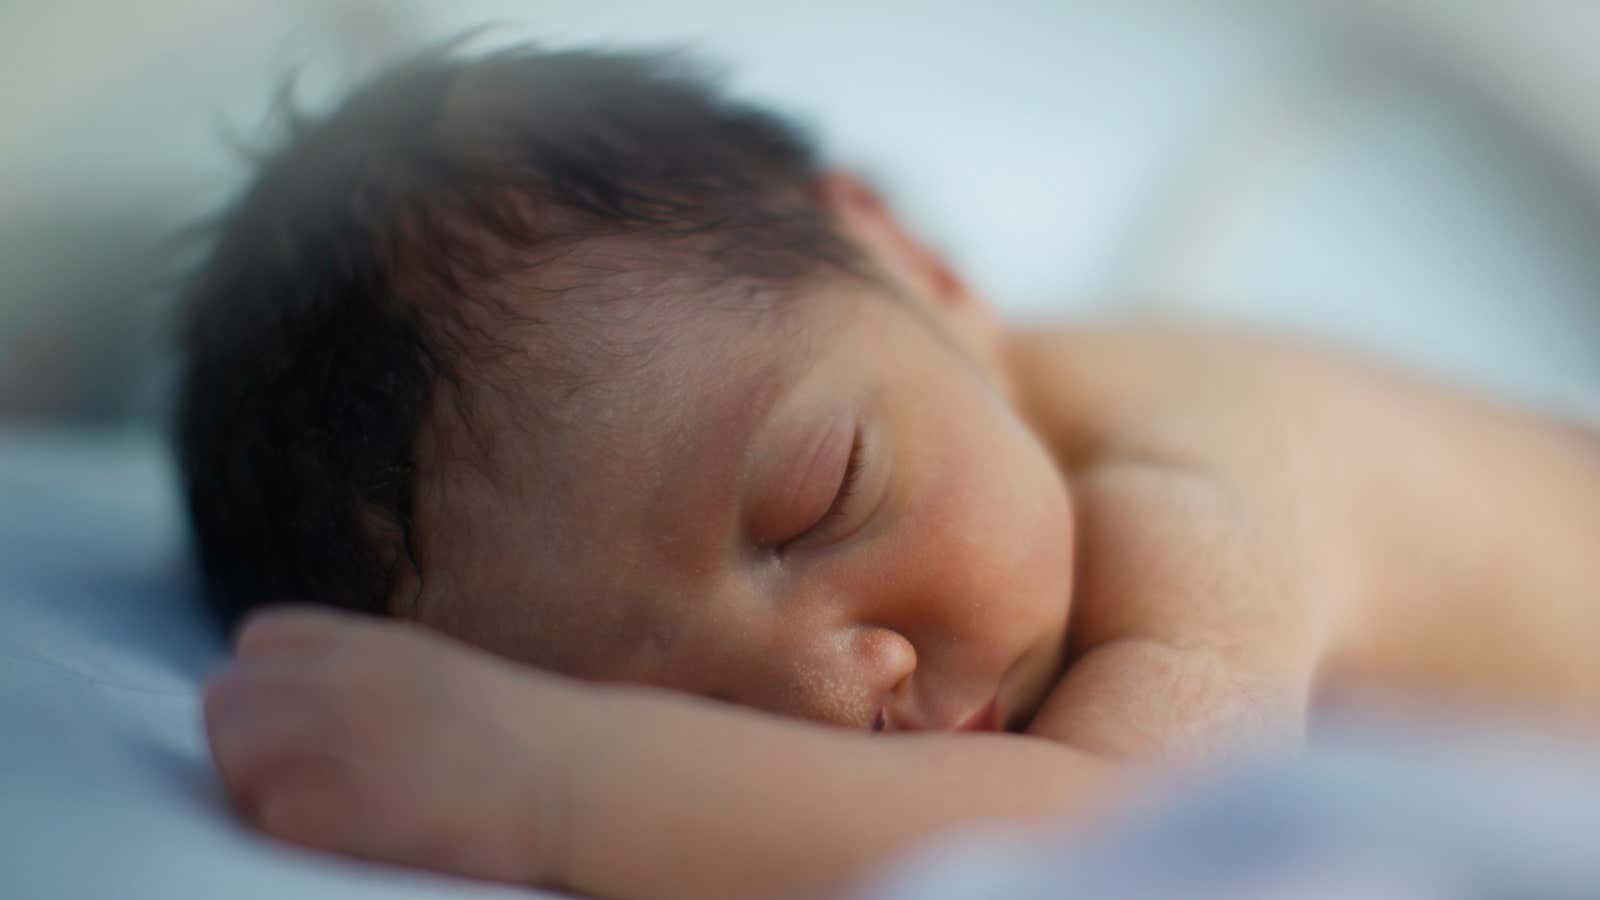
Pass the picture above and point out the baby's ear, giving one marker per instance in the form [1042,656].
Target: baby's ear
[863,217]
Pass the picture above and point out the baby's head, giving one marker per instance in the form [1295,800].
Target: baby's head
[569,357]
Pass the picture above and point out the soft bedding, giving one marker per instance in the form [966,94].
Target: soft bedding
[1380,812]
[108,790]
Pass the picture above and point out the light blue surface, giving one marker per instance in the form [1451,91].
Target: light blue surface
[1452,814]
[106,790]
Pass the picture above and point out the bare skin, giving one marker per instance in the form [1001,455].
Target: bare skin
[1445,544]
[1112,546]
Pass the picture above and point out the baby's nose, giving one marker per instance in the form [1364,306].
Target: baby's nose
[886,658]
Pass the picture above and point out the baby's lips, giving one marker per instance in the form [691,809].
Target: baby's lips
[985,719]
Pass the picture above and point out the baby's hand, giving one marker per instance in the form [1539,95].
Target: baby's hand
[378,739]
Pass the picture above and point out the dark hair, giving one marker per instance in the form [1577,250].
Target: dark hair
[334,299]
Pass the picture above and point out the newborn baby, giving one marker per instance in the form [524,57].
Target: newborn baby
[728,544]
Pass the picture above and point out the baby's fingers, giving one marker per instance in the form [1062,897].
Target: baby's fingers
[259,716]
[295,630]
[312,801]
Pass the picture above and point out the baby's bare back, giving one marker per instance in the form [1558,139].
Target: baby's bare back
[1404,537]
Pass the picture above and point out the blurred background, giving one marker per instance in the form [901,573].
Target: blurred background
[1421,178]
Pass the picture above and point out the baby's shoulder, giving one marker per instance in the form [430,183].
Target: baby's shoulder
[1164,548]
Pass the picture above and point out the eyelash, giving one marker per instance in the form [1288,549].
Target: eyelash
[847,486]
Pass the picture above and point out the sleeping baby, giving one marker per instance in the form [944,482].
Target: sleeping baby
[678,524]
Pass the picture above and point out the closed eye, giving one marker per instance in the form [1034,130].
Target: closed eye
[847,485]
[848,482]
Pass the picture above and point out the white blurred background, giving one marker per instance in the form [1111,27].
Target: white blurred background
[1421,177]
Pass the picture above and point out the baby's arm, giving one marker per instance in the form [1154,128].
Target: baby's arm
[380,740]
[692,799]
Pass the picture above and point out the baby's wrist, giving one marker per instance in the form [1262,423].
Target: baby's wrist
[613,740]
[552,724]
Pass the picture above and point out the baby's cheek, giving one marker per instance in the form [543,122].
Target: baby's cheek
[1025,515]
[827,696]
[826,681]
[988,526]
[998,544]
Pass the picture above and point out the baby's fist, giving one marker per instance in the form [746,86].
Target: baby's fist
[382,740]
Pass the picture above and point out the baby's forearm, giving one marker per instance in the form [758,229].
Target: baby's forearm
[679,797]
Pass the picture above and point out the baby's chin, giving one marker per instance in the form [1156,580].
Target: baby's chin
[1035,682]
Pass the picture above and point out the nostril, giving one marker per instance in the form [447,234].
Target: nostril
[881,662]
